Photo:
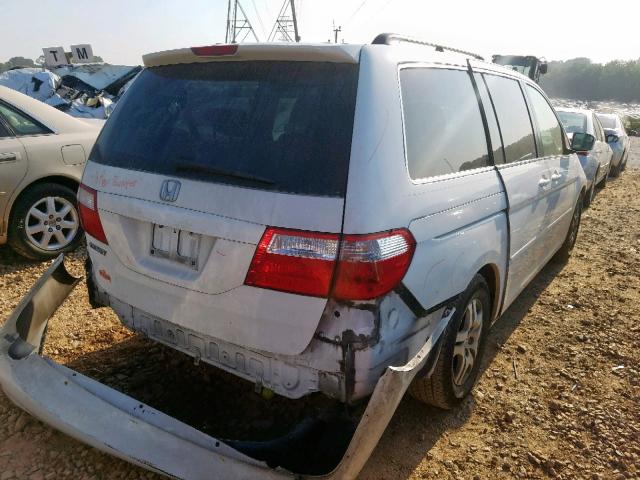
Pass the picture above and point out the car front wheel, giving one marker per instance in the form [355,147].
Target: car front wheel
[45,222]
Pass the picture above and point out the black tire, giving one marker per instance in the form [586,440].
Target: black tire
[562,255]
[603,182]
[20,240]
[591,193]
[440,389]
[615,170]
[623,162]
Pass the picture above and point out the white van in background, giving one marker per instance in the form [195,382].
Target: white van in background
[305,216]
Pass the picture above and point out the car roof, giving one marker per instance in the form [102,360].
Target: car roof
[52,118]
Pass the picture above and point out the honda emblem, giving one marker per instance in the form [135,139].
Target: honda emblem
[170,190]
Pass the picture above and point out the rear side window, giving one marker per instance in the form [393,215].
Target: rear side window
[443,127]
[513,116]
[548,126]
[21,123]
[282,126]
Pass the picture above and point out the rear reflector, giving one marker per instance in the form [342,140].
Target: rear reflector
[306,263]
[215,50]
[89,217]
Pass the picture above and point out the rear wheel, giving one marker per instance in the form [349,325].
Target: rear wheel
[45,222]
[457,368]
[572,235]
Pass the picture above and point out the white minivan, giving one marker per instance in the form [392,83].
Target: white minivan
[305,216]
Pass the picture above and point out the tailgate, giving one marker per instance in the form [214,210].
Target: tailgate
[210,296]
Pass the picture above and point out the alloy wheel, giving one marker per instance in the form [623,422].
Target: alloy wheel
[52,223]
[465,351]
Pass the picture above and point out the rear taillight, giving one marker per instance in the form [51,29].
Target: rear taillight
[88,209]
[215,50]
[307,263]
[294,261]
[372,265]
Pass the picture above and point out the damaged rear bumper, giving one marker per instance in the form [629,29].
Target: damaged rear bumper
[120,425]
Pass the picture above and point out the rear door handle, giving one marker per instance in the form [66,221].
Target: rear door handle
[8,157]
[544,181]
[556,175]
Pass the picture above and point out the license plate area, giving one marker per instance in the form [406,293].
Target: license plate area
[177,245]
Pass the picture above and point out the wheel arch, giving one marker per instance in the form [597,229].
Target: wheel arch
[69,182]
[491,273]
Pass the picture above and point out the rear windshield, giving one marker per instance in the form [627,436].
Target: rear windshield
[282,126]
[573,122]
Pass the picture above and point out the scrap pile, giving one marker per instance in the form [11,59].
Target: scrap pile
[81,90]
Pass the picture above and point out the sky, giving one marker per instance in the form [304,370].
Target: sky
[122,31]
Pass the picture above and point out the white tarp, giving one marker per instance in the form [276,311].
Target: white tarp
[35,82]
[78,90]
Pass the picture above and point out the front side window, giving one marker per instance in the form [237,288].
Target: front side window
[513,116]
[573,122]
[443,127]
[548,125]
[608,121]
[20,123]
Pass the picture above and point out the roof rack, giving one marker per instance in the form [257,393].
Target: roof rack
[389,38]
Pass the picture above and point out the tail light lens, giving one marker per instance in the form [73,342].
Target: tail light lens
[372,265]
[88,209]
[307,263]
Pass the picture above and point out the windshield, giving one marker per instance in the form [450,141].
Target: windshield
[607,121]
[573,122]
[283,126]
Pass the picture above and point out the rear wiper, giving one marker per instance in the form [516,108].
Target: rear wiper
[190,167]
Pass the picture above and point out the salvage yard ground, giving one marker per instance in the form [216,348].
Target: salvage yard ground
[559,395]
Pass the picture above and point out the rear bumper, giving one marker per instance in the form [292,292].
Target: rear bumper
[122,426]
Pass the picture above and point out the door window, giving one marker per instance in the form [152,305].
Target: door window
[443,127]
[513,117]
[549,128]
[21,123]
[492,121]
[4,132]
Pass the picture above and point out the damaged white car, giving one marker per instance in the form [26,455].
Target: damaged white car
[343,219]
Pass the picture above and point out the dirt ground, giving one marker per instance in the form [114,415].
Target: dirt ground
[559,395]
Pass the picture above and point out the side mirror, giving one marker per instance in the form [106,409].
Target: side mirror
[582,142]
[611,138]
[543,68]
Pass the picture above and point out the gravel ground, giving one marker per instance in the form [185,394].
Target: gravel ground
[559,395]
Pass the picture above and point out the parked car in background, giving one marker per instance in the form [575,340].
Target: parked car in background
[42,155]
[617,139]
[596,162]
